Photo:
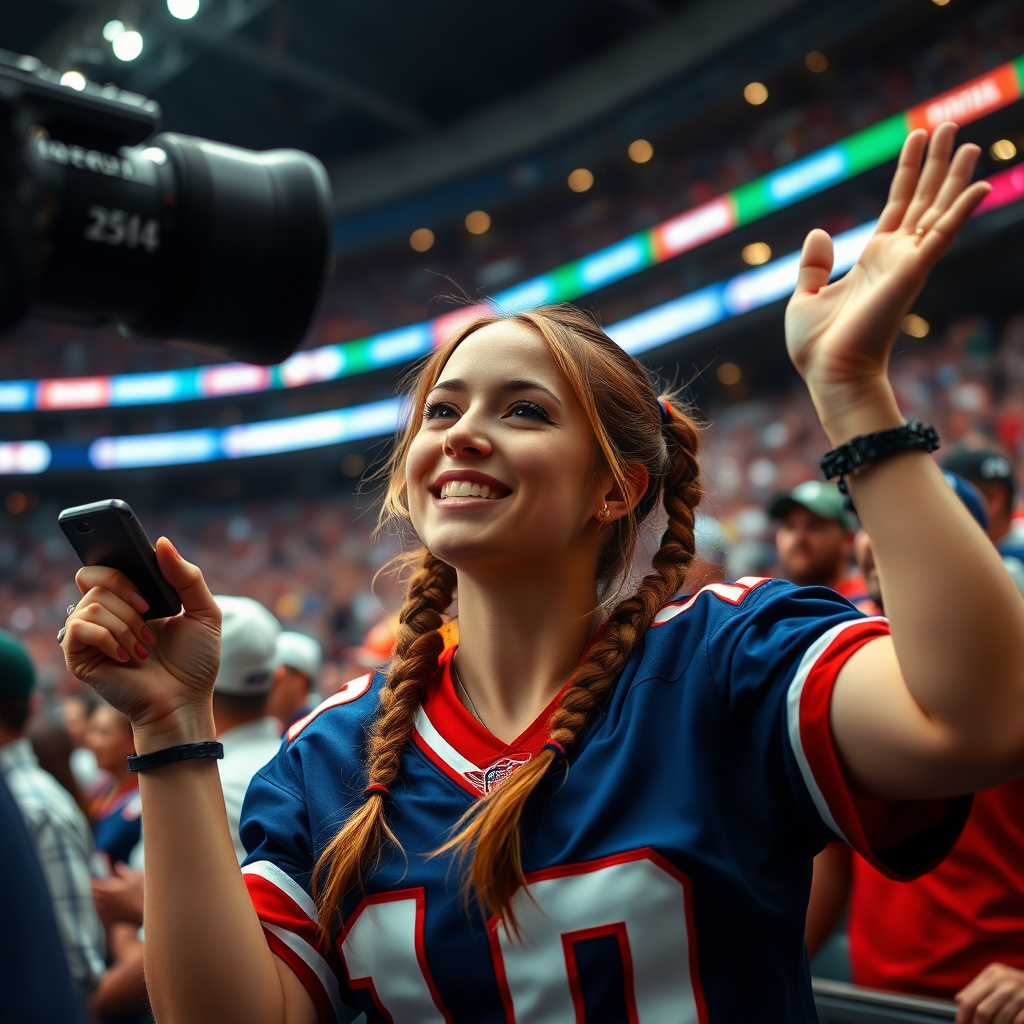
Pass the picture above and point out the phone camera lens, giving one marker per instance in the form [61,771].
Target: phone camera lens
[82,527]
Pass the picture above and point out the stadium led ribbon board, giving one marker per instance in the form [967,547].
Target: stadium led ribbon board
[845,159]
[637,334]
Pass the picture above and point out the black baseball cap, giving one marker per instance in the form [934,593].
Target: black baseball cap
[981,464]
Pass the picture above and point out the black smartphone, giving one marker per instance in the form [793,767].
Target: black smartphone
[109,533]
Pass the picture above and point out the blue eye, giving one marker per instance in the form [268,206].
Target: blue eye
[529,410]
[437,410]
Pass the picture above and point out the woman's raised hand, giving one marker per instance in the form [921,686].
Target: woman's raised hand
[159,673]
[839,335]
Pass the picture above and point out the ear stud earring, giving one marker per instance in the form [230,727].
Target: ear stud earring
[604,513]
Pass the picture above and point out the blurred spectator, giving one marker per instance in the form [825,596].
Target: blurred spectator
[376,648]
[296,677]
[52,747]
[117,814]
[75,711]
[710,555]
[56,824]
[121,997]
[992,473]
[815,538]
[956,931]
[34,977]
[250,736]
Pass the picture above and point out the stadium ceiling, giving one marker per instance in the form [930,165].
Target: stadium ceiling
[396,95]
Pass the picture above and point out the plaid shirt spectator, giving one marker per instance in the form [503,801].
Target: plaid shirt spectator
[64,843]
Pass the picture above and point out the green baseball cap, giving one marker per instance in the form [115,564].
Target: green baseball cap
[821,498]
[17,673]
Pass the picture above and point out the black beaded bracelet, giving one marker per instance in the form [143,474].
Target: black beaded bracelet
[182,752]
[871,447]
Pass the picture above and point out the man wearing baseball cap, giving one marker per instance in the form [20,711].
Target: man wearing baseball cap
[296,677]
[250,735]
[992,473]
[814,540]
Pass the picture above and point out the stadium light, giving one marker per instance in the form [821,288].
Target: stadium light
[581,180]
[640,151]
[640,333]
[422,239]
[73,80]
[183,10]
[866,149]
[112,30]
[1003,149]
[128,45]
[816,61]
[756,253]
[916,326]
[478,222]
[755,93]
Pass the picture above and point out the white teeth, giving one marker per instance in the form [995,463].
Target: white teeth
[465,489]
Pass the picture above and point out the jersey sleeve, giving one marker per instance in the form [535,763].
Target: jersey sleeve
[777,659]
[277,871]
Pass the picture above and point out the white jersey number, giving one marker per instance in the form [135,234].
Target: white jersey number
[638,897]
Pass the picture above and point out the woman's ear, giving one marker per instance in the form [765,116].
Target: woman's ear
[621,501]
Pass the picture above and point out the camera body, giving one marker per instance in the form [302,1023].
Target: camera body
[171,237]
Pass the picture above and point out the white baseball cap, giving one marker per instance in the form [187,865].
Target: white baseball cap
[248,648]
[302,653]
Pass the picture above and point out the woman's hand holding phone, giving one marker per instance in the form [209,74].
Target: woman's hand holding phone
[159,673]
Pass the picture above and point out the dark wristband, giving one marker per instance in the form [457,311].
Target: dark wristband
[182,752]
[872,447]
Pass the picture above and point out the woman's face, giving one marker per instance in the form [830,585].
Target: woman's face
[504,473]
[110,738]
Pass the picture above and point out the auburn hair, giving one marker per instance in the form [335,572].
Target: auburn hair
[631,424]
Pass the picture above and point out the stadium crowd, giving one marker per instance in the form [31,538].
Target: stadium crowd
[397,287]
[312,565]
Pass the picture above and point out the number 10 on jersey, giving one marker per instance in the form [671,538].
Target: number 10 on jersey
[638,900]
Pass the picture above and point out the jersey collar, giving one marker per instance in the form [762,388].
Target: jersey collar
[461,747]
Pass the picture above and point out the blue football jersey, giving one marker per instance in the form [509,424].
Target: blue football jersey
[118,826]
[668,867]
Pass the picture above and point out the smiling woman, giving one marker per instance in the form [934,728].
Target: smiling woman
[629,784]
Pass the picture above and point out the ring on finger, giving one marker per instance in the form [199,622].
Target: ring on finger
[921,232]
[63,629]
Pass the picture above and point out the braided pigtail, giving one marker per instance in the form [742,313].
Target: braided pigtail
[360,841]
[492,835]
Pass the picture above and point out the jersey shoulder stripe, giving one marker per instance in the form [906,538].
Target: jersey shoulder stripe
[350,691]
[290,923]
[730,593]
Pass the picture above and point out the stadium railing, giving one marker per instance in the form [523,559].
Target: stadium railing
[840,1003]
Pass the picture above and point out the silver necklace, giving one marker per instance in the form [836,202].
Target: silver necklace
[465,692]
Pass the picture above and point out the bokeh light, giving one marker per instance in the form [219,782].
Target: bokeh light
[640,151]
[756,253]
[581,180]
[422,239]
[478,222]
[128,45]
[816,61]
[755,93]
[916,326]
[729,374]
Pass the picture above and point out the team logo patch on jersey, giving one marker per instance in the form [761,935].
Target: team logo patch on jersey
[491,778]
